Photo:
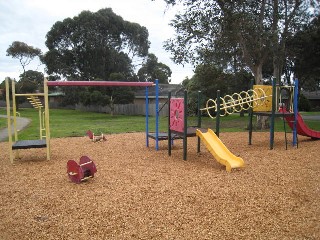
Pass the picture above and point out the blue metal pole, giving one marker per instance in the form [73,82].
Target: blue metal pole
[157,114]
[147,117]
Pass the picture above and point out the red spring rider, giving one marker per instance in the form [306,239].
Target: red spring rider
[82,171]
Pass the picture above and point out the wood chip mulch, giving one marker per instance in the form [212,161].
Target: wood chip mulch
[141,193]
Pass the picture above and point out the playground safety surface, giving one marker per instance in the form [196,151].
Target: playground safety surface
[141,193]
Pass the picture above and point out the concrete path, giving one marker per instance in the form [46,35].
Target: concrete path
[21,124]
[313,117]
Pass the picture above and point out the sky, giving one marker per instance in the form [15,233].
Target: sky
[29,21]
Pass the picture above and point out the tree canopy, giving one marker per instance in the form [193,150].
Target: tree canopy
[209,78]
[30,82]
[237,34]
[94,45]
[23,52]
[304,51]
[152,69]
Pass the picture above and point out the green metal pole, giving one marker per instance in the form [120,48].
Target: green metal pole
[273,113]
[250,118]
[185,125]
[218,113]
[295,111]
[199,118]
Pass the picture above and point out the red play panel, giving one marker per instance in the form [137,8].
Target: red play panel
[177,114]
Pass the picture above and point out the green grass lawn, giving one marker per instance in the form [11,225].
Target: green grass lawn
[3,123]
[69,123]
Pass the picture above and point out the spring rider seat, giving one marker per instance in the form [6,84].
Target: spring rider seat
[82,171]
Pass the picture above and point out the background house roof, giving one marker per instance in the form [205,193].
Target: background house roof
[315,95]
[164,89]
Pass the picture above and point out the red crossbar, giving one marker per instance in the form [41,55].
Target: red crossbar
[100,83]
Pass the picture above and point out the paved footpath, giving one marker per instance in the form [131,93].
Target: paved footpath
[21,124]
[311,117]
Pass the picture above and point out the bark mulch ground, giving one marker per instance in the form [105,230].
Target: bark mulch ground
[141,193]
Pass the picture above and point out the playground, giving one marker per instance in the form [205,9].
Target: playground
[140,193]
[137,186]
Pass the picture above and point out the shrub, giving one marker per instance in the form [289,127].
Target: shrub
[304,104]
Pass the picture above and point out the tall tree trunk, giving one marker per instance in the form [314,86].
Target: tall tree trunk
[257,72]
[111,106]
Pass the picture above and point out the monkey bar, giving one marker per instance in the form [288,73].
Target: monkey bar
[100,83]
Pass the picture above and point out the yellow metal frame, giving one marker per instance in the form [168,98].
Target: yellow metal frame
[9,120]
[44,121]
[238,101]
[47,121]
[259,99]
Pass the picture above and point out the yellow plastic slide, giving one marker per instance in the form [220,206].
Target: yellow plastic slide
[220,152]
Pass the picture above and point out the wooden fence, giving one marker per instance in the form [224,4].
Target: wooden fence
[126,109]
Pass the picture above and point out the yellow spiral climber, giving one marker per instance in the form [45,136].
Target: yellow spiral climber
[237,102]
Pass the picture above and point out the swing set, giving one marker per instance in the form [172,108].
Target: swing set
[44,128]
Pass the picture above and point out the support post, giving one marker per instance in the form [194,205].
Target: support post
[250,118]
[157,114]
[273,112]
[47,117]
[9,119]
[14,110]
[185,128]
[218,114]
[147,116]
[40,122]
[295,111]
[199,119]
[169,129]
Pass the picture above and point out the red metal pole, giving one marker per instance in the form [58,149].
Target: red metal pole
[100,83]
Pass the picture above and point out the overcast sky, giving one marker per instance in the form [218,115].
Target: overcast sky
[29,21]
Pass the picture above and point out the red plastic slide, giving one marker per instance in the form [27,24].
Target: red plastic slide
[302,128]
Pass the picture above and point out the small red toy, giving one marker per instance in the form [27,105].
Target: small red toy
[82,171]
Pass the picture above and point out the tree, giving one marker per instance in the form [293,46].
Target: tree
[118,95]
[23,52]
[106,96]
[209,78]
[245,31]
[94,45]
[3,89]
[30,82]
[152,69]
[304,52]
